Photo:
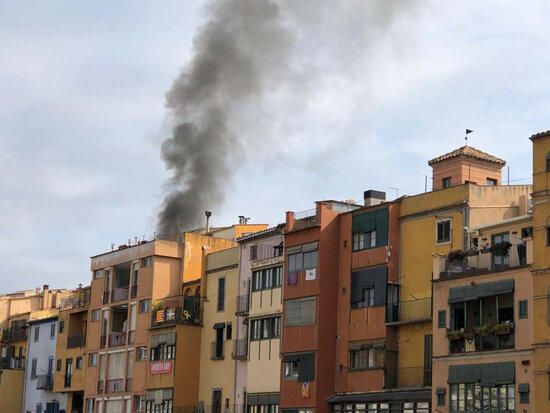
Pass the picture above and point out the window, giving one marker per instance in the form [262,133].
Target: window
[300,312]
[144,306]
[68,372]
[33,368]
[265,328]
[92,359]
[221,294]
[522,309]
[52,330]
[368,298]
[38,407]
[491,182]
[146,262]
[441,319]
[527,232]
[78,363]
[310,260]
[300,367]
[365,357]
[36,333]
[440,392]
[61,326]
[467,397]
[302,261]
[163,352]
[96,314]
[548,162]
[523,390]
[267,278]
[98,274]
[446,182]
[253,252]
[364,240]
[58,364]
[228,332]
[443,231]
[291,370]
[141,354]
[548,236]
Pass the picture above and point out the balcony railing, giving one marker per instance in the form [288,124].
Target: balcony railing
[409,311]
[44,382]
[413,377]
[217,350]
[106,296]
[114,386]
[174,312]
[265,251]
[240,349]
[76,341]
[17,363]
[482,338]
[14,334]
[242,305]
[483,261]
[77,300]
[305,219]
[117,338]
[119,294]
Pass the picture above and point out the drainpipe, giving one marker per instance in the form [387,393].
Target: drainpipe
[466,213]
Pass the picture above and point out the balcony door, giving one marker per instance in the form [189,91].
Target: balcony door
[500,261]
[217,401]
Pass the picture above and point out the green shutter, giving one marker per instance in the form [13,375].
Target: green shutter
[487,374]
[365,222]
[382,227]
[306,367]
[523,309]
[441,319]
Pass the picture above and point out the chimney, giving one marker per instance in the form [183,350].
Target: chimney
[45,297]
[289,224]
[208,215]
[373,197]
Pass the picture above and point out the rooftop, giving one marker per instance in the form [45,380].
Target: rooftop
[470,152]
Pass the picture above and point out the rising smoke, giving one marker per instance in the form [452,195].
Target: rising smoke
[246,51]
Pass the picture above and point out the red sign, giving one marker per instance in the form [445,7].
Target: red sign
[161,367]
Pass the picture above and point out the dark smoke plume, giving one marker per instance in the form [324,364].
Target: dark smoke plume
[247,50]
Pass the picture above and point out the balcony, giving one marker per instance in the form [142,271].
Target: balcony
[76,341]
[117,338]
[305,219]
[476,262]
[265,251]
[114,386]
[14,334]
[172,312]
[412,311]
[242,305]
[17,363]
[489,337]
[44,382]
[119,294]
[80,299]
[240,349]
[217,350]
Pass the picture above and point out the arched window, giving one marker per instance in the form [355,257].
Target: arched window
[548,162]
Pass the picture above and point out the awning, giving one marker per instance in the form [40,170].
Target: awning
[477,291]
[487,374]
[384,396]
[312,246]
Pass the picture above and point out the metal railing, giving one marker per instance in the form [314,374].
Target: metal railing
[119,294]
[482,262]
[185,310]
[117,338]
[114,386]
[76,341]
[409,311]
[44,382]
[305,219]
[240,349]
[217,350]
[243,303]
[80,299]
[11,334]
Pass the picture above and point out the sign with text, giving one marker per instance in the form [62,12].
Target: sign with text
[161,367]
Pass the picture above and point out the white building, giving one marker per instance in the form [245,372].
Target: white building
[40,368]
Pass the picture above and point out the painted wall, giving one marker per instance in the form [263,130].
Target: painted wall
[11,390]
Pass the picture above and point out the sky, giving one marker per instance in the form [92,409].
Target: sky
[83,116]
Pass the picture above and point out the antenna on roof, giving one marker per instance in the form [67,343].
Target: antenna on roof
[468,131]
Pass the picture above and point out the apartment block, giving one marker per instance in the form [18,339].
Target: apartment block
[259,310]
[71,349]
[38,393]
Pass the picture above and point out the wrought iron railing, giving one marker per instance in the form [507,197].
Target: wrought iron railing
[409,311]
[117,338]
[76,341]
[240,349]
[44,382]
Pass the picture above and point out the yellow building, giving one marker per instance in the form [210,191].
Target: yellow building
[71,348]
[435,223]
[217,366]
[541,268]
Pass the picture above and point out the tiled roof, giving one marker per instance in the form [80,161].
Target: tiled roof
[470,152]
[540,135]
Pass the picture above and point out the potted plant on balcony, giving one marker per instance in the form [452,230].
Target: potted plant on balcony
[484,330]
[501,249]
[457,256]
[503,328]
[455,334]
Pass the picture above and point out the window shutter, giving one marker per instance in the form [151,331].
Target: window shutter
[523,309]
[441,319]
[292,312]
[308,309]
[306,367]
[382,219]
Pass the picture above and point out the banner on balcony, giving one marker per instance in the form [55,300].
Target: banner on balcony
[160,367]
[311,274]
[305,389]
